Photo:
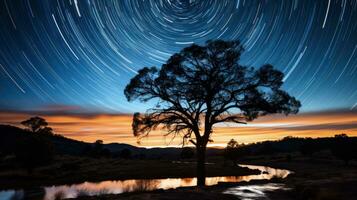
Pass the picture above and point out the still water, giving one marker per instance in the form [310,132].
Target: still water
[255,192]
[120,186]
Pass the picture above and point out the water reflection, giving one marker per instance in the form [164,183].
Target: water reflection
[12,194]
[251,192]
[116,187]
[267,173]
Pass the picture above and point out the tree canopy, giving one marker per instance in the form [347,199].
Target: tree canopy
[37,125]
[203,86]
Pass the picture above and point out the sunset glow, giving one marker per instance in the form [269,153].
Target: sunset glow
[117,128]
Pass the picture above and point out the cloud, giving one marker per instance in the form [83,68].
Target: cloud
[327,126]
[78,123]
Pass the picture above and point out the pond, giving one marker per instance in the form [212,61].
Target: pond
[120,186]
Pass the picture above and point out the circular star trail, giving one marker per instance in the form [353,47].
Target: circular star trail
[84,52]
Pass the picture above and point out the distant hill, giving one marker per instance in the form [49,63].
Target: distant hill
[156,152]
[305,146]
[9,135]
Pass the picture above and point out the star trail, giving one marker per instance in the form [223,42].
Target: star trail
[84,52]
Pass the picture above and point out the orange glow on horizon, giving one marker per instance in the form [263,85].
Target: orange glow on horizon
[117,128]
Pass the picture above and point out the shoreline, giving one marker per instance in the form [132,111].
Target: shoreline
[316,179]
[111,170]
[312,178]
[189,193]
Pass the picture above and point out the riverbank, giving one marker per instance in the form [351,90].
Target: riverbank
[210,193]
[313,178]
[188,193]
[71,170]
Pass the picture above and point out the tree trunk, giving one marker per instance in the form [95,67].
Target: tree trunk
[201,168]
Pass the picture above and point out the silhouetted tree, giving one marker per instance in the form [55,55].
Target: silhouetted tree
[37,125]
[230,152]
[47,130]
[234,151]
[342,135]
[98,145]
[187,153]
[202,86]
[98,150]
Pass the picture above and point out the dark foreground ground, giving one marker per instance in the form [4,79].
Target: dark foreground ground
[314,179]
[70,170]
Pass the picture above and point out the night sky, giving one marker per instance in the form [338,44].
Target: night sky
[82,53]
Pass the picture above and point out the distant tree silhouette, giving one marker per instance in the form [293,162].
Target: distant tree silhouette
[187,153]
[202,86]
[37,125]
[98,150]
[230,152]
[342,135]
[98,144]
[48,130]
[234,151]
